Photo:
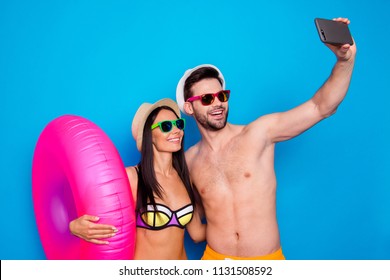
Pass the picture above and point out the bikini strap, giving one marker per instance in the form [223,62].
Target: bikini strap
[139,185]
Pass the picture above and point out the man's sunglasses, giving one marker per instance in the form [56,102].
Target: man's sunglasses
[208,98]
[167,126]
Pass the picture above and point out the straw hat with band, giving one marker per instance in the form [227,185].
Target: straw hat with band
[143,112]
[180,86]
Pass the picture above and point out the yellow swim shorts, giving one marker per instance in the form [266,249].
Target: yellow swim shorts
[210,254]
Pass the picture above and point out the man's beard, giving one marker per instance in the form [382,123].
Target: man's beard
[211,125]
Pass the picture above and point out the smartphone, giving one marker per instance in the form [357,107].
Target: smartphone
[333,32]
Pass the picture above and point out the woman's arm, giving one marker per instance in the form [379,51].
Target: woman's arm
[86,226]
[196,229]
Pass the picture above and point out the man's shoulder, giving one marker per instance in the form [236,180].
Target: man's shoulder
[255,131]
[262,122]
[191,152]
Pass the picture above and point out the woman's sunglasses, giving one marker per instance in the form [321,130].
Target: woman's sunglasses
[208,98]
[167,126]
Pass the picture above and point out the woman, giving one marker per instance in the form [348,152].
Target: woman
[161,187]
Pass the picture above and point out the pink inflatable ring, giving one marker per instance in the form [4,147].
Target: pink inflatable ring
[76,171]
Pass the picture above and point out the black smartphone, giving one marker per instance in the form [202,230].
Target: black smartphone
[333,32]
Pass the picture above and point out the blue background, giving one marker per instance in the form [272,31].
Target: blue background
[102,59]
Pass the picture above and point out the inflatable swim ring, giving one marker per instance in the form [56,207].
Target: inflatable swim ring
[76,171]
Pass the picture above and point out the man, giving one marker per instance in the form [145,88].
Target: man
[232,166]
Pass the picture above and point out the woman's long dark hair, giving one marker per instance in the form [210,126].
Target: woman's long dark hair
[149,187]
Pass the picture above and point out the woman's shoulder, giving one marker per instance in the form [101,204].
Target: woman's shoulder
[133,179]
[132,174]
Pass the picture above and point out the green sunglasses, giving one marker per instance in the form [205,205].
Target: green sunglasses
[167,126]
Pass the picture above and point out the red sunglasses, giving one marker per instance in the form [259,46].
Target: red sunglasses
[208,98]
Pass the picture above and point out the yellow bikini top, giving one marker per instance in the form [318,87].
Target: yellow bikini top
[163,216]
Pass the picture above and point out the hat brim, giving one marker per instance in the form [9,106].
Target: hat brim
[180,86]
[143,112]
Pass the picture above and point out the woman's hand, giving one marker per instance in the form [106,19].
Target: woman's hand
[86,227]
